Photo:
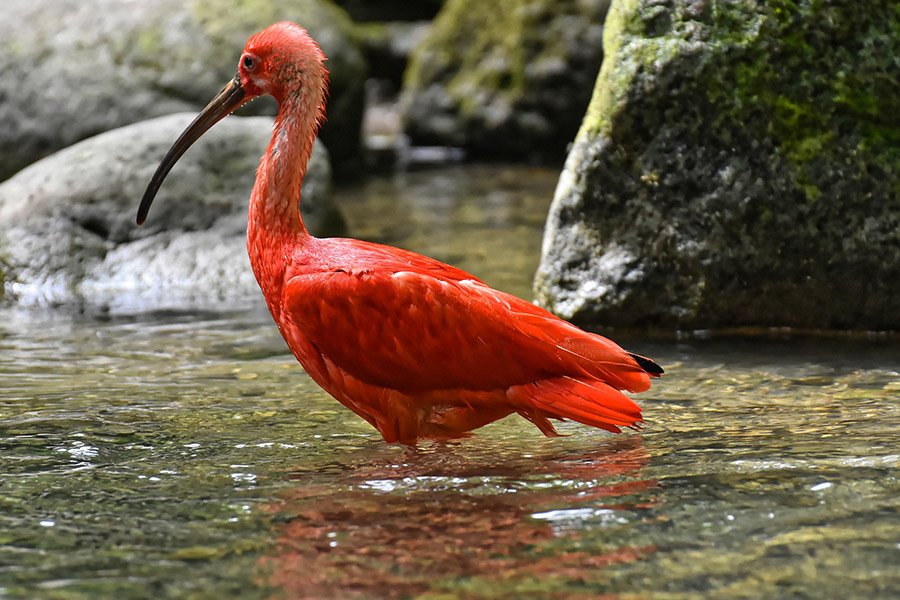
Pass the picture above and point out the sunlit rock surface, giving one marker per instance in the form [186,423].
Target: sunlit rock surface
[510,78]
[72,69]
[738,165]
[67,232]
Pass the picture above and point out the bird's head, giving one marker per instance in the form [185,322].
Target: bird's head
[283,61]
[280,60]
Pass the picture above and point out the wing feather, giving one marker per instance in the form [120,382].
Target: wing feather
[411,323]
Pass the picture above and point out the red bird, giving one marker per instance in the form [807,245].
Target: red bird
[417,348]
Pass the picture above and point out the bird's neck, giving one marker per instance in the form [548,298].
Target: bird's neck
[274,227]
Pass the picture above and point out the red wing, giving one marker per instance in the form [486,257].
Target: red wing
[405,331]
[411,324]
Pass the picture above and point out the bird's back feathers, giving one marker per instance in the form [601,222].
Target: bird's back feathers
[405,322]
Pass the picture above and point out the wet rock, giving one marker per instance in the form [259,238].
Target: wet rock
[737,166]
[505,79]
[67,232]
[387,47]
[72,69]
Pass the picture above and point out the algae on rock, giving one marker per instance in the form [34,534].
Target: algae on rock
[738,165]
[509,78]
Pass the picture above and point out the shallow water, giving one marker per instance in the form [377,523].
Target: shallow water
[188,456]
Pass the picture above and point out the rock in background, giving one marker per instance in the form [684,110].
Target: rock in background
[387,32]
[388,45]
[738,165]
[391,10]
[75,68]
[509,79]
[67,232]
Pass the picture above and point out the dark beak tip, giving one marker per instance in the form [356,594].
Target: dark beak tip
[231,97]
[144,208]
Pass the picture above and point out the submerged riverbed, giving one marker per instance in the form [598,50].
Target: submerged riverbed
[188,455]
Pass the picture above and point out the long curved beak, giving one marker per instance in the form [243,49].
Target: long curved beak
[226,101]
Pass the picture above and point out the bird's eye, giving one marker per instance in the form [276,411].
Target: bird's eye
[249,63]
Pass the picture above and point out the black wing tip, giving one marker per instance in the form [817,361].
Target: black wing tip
[647,365]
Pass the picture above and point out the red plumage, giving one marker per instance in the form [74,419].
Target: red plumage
[421,349]
[415,347]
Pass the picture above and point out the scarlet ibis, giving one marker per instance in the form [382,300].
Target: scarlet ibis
[417,348]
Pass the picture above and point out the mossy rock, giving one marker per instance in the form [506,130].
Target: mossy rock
[510,78]
[73,69]
[387,47]
[738,165]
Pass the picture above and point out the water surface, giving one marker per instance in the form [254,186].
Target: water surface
[188,456]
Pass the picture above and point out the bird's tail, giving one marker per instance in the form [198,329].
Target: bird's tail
[587,401]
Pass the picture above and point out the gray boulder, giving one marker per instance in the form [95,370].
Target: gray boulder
[505,79]
[75,68]
[67,232]
[738,166]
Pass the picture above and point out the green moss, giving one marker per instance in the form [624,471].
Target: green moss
[644,38]
[149,41]
[818,72]
[615,74]
[464,35]
[809,75]
[773,130]
[372,33]
[4,268]
[13,47]
[507,77]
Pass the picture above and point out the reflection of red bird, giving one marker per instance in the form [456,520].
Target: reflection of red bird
[415,347]
[402,529]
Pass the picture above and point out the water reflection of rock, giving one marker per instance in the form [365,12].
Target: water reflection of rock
[440,523]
